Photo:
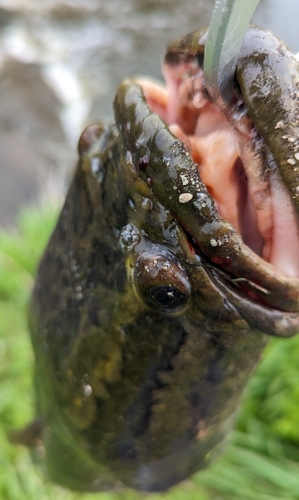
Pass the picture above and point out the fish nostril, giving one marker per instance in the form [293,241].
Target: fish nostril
[143,163]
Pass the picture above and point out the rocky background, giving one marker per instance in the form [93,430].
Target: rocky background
[60,64]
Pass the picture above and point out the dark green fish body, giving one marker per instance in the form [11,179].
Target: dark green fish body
[143,329]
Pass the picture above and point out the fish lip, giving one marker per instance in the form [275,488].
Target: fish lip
[257,312]
[269,320]
[160,158]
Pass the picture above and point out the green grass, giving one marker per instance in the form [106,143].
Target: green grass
[260,463]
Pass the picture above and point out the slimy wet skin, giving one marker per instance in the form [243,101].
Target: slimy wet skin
[166,274]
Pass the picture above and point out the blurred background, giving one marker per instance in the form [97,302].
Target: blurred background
[60,64]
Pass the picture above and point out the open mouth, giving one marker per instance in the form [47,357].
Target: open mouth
[255,236]
[246,193]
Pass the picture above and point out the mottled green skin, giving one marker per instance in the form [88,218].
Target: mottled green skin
[128,392]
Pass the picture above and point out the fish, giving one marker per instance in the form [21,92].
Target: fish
[174,259]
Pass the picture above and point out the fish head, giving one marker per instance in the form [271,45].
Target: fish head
[229,174]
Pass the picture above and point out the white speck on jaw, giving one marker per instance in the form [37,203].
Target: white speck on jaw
[184,180]
[213,242]
[279,124]
[296,156]
[291,161]
[185,197]
[94,165]
[87,390]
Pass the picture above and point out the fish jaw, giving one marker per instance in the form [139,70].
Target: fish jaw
[252,183]
[218,175]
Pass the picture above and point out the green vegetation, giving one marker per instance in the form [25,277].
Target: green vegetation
[262,460]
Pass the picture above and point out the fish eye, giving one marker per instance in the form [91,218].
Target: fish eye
[161,281]
[166,298]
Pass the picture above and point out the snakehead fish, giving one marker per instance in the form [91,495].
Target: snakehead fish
[175,257]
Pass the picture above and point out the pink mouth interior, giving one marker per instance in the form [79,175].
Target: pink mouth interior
[258,206]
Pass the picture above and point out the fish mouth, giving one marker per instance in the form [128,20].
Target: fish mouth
[246,223]
[245,191]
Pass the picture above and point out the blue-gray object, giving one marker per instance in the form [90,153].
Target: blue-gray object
[227,28]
